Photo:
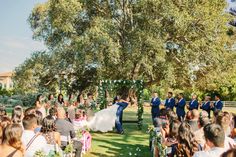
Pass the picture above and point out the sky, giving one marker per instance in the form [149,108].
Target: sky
[16,43]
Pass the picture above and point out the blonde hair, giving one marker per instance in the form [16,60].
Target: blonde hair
[12,136]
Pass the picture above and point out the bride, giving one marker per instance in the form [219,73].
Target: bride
[104,120]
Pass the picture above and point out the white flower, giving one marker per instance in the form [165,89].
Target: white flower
[130,153]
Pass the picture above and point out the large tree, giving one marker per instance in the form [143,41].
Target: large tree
[170,43]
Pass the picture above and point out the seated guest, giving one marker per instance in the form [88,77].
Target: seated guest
[39,117]
[66,131]
[161,121]
[17,114]
[71,112]
[188,116]
[11,145]
[5,120]
[53,112]
[215,137]
[48,130]
[215,115]
[229,153]
[233,130]
[171,115]
[30,110]
[187,145]
[199,134]
[223,119]
[194,121]
[80,124]
[171,141]
[32,142]
[52,137]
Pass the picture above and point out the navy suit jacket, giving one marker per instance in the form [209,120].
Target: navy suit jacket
[193,104]
[155,105]
[180,107]
[206,106]
[170,103]
[218,105]
[122,106]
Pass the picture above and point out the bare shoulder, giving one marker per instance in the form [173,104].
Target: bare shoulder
[57,133]
[18,154]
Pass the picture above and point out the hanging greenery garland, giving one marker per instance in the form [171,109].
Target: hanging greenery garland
[109,85]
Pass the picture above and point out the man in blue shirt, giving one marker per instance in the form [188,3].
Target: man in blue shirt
[193,104]
[170,101]
[155,104]
[206,106]
[180,106]
[218,105]
[123,103]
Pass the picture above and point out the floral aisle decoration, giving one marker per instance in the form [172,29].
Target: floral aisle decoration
[109,85]
[155,139]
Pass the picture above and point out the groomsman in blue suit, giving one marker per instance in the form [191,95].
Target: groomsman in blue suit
[155,104]
[193,104]
[170,101]
[218,105]
[180,106]
[206,106]
[123,103]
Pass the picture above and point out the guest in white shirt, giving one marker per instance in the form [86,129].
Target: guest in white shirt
[224,120]
[32,142]
[215,137]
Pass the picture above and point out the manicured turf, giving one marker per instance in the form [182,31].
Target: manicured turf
[133,143]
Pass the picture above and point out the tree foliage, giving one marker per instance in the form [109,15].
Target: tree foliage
[177,44]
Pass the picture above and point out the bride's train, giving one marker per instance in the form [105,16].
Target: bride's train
[104,120]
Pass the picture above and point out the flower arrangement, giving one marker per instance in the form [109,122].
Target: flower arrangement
[156,141]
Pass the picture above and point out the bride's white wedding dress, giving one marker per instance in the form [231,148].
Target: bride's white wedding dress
[104,120]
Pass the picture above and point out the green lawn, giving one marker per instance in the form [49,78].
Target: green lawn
[133,143]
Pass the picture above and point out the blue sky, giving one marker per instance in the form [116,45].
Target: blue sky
[16,42]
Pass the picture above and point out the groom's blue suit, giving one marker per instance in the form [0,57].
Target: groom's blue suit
[119,114]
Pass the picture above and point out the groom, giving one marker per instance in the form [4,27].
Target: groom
[123,103]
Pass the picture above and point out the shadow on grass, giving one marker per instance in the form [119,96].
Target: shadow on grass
[122,149]
[134,143]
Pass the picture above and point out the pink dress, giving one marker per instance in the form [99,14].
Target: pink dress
[80,124]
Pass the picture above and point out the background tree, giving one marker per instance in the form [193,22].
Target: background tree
[174,44]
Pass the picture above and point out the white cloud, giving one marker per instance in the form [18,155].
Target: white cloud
[14,50]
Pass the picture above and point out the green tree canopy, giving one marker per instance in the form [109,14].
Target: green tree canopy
[176,44]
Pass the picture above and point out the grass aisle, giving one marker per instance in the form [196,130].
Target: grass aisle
[133,143]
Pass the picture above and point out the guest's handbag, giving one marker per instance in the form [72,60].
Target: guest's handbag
[31,141]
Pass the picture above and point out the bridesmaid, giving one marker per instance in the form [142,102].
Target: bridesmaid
[40,106]
[60,101]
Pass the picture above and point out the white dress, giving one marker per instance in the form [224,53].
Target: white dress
[104,120]
[42,110]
